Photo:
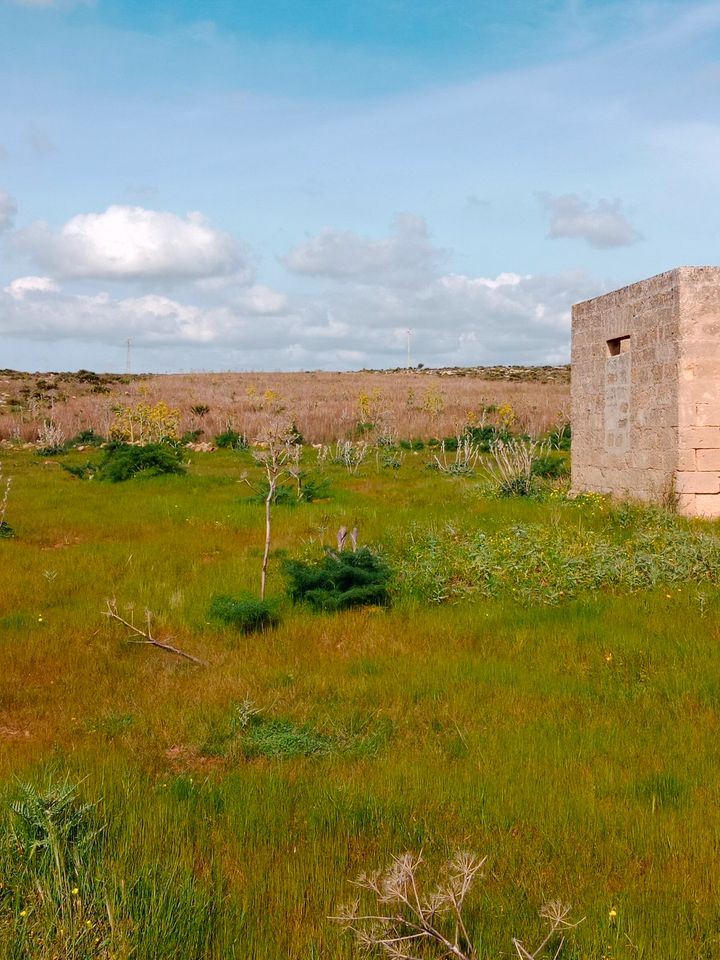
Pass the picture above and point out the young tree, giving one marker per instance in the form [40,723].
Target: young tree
[279,458]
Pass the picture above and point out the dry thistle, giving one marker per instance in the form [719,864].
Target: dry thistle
[405,923]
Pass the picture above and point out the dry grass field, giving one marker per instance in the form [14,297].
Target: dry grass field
[324,406]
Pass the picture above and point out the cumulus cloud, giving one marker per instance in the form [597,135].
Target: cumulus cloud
[456,319]
[602,226]
[128,242]
[8,210]
[20,288]
[341,255]
[263,301]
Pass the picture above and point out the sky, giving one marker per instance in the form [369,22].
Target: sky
[296,184]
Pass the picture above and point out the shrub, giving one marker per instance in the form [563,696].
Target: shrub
[484,437]
[145,424]
[86,438]
[550,466]
[121,461]
[245,612]
[511,471]
[232,440]
[339,580]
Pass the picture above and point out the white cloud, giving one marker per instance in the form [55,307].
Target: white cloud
[342,255]
[126,243]
[262,301]
[456,319]
[602,226]
[8,210]
[23,286]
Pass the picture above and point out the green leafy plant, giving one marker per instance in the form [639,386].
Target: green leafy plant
[85,438]
[123,461]
[550,466]
[231,440]
[340,580]
[561,437]
[245,612]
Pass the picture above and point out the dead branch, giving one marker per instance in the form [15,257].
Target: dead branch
[146,634]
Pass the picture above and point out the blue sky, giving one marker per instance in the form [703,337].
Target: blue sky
[294,185]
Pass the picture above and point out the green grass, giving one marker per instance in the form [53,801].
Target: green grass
[572,739]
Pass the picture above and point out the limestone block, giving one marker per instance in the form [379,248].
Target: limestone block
[686,504]
[697,482]
[707,459]
[707,506]
[701,438]
[687,460]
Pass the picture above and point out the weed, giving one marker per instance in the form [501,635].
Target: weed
[404,920]
[246,612]
[350,455]
[511,471]
[231,440]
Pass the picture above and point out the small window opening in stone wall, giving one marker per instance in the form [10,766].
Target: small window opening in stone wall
[618,345]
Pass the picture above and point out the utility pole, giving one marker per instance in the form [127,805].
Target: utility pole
[409,337]
[128,365]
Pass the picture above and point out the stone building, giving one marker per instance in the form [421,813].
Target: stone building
[646,391]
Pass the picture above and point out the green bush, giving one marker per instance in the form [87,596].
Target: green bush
[339,580]
[232,440]
[551,466]
[86,438]
[245,612]
[6,531]
[121,461]
[485,437]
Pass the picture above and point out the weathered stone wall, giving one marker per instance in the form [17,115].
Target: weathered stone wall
[698,466]
[646,390]
[625,349]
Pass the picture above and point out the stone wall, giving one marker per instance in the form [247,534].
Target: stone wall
[698,466]
[646,390]
[624,387]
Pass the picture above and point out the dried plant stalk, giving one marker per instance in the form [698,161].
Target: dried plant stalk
[405,923]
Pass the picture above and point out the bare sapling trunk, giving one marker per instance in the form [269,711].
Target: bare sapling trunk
[280,452]
[272,485]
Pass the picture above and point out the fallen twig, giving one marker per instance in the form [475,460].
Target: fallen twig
[147,636]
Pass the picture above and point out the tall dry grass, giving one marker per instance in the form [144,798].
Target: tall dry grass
[324,406]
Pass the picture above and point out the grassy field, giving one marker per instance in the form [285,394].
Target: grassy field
[552,704]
